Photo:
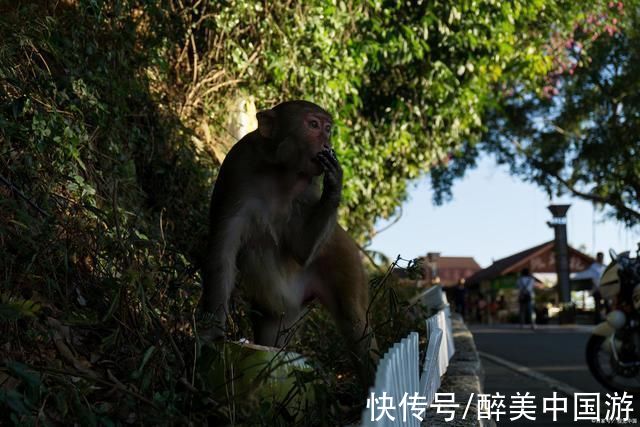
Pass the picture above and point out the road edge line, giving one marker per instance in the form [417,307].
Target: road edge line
[554,384]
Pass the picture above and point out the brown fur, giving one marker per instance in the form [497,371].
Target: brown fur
[273,218]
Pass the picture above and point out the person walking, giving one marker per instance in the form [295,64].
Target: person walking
[460,298]
[481,308]
[526,284]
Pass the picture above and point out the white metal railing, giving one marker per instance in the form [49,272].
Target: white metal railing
[398,373]
[440,350]
[430,378]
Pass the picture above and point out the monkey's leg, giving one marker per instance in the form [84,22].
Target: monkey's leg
[343,288]
[272,329]
[267,329]
[353,326]
[218,274]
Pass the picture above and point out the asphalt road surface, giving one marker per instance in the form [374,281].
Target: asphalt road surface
[556,351]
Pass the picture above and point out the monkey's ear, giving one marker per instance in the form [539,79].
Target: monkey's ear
[266,123]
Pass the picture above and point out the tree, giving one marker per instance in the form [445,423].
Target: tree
[580,132]
[106,113]
[409,82]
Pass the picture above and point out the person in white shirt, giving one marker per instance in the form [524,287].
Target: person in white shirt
[526,285]
[594,273]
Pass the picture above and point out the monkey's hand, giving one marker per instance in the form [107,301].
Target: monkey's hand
[318,219]
[332,182]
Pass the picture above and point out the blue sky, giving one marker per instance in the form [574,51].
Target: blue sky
[493,215]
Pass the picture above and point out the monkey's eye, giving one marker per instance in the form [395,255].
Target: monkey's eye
[327,128]
[314,124]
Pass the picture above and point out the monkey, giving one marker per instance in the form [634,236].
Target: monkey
[273,223]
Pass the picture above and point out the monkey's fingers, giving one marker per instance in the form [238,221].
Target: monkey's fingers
[330,159]
[337,169]
[326,161]
[328,167]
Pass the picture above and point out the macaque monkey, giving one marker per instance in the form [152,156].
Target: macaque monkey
[273,221]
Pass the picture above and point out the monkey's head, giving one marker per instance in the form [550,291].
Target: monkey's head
[299,130]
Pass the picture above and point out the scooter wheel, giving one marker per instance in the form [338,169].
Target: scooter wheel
[601,365]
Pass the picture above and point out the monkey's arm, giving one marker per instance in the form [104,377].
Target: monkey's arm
[318,219]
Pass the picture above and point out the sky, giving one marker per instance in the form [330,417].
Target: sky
[494,215]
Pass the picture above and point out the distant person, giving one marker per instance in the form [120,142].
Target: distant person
[502,304]
[460,298]
[594,273]
[493,310]
[481,308]
[503,313]
[526,285]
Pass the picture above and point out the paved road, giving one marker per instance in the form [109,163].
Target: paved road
[552,350]
[556,351]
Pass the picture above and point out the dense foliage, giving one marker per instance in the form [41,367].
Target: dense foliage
[581,133]
[112,119]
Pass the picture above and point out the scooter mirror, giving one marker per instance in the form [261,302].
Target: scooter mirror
[613,255]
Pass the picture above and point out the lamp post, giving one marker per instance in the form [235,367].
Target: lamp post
[559,225]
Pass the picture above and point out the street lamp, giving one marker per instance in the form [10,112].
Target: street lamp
[559,225]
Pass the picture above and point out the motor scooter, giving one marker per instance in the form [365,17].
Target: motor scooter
[613,350]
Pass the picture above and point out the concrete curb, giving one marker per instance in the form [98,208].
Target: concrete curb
[464,376]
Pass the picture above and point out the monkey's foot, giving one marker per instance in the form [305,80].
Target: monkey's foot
[208,327]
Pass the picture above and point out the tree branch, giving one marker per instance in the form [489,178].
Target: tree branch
[612,201]
[391,224]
